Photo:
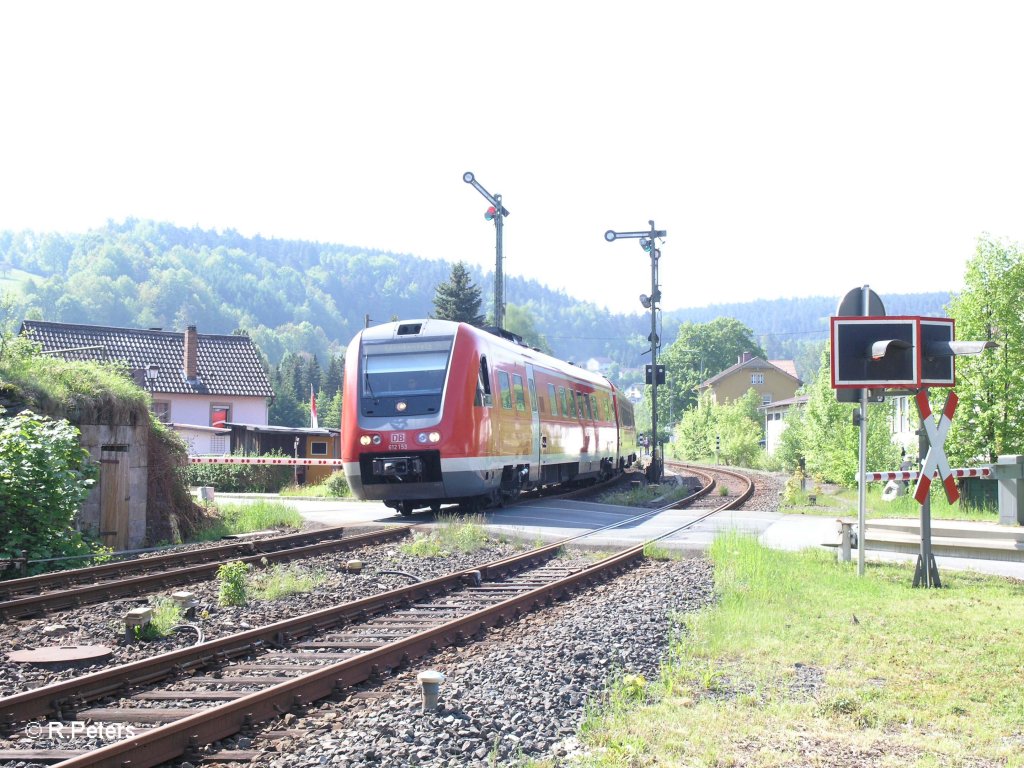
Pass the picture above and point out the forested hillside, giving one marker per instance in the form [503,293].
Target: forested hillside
[300,296]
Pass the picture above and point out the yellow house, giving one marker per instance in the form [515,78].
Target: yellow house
[773,380]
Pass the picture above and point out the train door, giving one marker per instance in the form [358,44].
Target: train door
[535,441]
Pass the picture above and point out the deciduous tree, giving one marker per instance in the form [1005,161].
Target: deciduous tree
[990,418]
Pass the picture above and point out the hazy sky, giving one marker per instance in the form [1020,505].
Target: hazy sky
[787,148]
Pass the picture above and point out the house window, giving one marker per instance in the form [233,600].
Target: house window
[162,411]
[220,415]
[505,390]
[757,378]
[218,444]
[318,448]
[766,399]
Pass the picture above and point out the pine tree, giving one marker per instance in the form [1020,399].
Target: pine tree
[458,299]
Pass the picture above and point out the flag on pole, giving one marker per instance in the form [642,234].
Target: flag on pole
[312,409]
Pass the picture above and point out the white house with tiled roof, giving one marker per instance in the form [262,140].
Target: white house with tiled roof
[199,382]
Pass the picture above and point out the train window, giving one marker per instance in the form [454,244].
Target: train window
[572,404]
[561,394]
[533,395]
[553,399]
[401,370]
[585,401]
[504,390]
[593,407]
[518,392]
[483,384]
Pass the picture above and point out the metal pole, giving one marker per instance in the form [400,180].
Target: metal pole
[927,574]
[499,282]
[863,459]
[655,460]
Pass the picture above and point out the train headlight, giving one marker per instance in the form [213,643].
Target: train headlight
[434,437]
[376,440]
[421,437]
[401,405]
[364,440]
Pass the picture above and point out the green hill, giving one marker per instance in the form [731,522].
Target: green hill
[302,296]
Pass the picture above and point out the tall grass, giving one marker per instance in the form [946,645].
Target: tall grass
[246,518]
[453,533]
[802,662]
[280,581]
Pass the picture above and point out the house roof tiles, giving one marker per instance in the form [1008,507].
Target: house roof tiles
[753,363]
[227,365]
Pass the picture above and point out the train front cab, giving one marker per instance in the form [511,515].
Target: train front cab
[416,416]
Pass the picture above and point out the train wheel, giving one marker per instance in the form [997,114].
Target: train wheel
[405,508]
[435,508]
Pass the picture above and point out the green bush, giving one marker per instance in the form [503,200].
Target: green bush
[242,478]
[231,578]
[337,485]
[45,475]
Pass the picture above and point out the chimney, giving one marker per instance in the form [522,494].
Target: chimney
[745,357]
[191,353]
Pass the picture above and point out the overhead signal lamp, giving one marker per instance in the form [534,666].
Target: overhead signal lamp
[490,213]
[646,243]
[645,300]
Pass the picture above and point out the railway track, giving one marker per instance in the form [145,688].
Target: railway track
[38,595]
[211,691]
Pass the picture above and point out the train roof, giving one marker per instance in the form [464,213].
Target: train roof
[432,328]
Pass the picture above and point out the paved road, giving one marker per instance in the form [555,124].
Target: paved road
[550,520]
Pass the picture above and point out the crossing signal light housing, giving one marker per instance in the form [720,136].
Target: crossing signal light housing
[490,213]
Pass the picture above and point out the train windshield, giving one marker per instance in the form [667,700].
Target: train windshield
[405,369]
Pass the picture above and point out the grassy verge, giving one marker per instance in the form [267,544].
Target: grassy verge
[802,663]
[246,518]
[642,494]
[452,533]
[835,502]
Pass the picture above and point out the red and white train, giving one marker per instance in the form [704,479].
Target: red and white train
[438,412]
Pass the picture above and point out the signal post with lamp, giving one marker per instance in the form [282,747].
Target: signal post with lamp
[902,355]
[496,212]
[655,373]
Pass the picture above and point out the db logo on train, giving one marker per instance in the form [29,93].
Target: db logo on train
[397,442]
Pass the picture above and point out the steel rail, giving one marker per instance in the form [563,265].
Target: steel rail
[127,587]
[64,697]
[168,741]
[123,568]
